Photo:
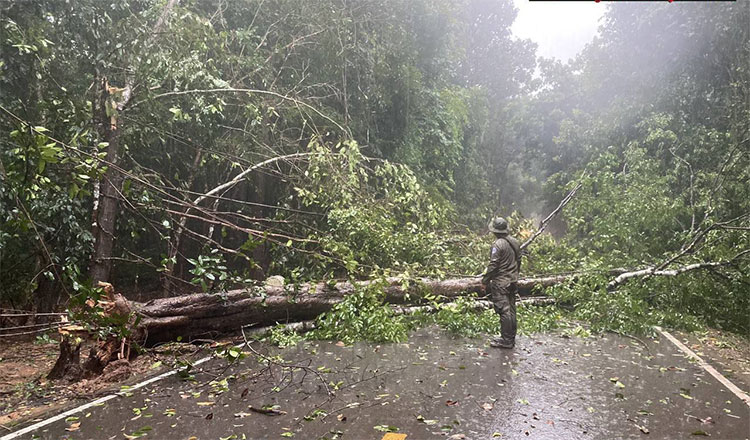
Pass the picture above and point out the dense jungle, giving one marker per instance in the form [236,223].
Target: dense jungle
[175,147]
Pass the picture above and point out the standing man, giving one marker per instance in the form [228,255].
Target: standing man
[500,280]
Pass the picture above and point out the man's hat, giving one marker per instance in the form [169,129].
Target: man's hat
[498,225]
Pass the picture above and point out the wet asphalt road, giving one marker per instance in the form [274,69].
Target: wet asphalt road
[434,386]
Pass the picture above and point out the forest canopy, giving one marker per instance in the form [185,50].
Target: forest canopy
[179,146]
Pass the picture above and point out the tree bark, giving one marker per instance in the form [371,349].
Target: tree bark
[67,364]
[112,101]
[106,207]
[201,315]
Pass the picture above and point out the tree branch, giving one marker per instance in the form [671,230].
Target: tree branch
[654,271]
[698,237]
[545,222]
[255,91]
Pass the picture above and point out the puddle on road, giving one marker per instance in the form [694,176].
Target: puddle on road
[434,386]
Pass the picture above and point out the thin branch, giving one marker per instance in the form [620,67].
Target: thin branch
[240,176]
[552,215]
[255,91]
[654,271]
[285,365]
[698,237]
[692,191]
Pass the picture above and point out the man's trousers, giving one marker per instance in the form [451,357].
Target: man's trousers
[504,302]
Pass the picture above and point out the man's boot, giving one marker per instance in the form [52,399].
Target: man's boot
[499,342]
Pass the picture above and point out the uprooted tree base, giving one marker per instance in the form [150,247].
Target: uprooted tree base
[112,348]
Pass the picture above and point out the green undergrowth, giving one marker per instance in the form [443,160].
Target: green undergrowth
[364,316]
[588,307]
[632,309]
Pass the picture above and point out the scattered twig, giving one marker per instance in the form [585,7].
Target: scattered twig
[265,358]
[267,411]
[635,339]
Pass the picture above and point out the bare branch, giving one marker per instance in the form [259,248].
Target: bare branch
[545,222]
[240,176]
[699,236]
[653,271]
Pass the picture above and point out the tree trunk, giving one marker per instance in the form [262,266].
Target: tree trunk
[201,315]
[109,102]
[106,207]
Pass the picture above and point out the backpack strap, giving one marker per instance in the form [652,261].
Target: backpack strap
[516,249]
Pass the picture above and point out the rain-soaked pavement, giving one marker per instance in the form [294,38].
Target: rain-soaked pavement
[435,386]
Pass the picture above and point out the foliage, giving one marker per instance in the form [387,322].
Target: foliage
[232,354]
[461,317]
[316,140]
[43,237]
[539,318]
[362,316]
[629,310]
[87,306]
[282,336]
[656,176]
[375,215]
[212,275]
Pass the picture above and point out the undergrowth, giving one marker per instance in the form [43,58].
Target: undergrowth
[632,309]
[364,316]
[589,308]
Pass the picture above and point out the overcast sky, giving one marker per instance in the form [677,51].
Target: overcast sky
[561,29]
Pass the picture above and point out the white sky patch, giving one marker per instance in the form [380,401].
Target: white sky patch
[561,29]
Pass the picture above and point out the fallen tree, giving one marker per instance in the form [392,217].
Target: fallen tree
[204,315]
[201,314]
[207,315]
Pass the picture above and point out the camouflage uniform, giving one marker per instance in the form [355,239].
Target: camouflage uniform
[501,279]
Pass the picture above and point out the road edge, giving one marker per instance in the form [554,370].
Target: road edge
[703,364]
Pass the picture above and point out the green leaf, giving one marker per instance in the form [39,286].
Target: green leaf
[385,428]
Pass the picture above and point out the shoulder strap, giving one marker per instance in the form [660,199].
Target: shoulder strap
[516,249]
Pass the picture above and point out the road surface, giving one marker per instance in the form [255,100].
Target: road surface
[551,386]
